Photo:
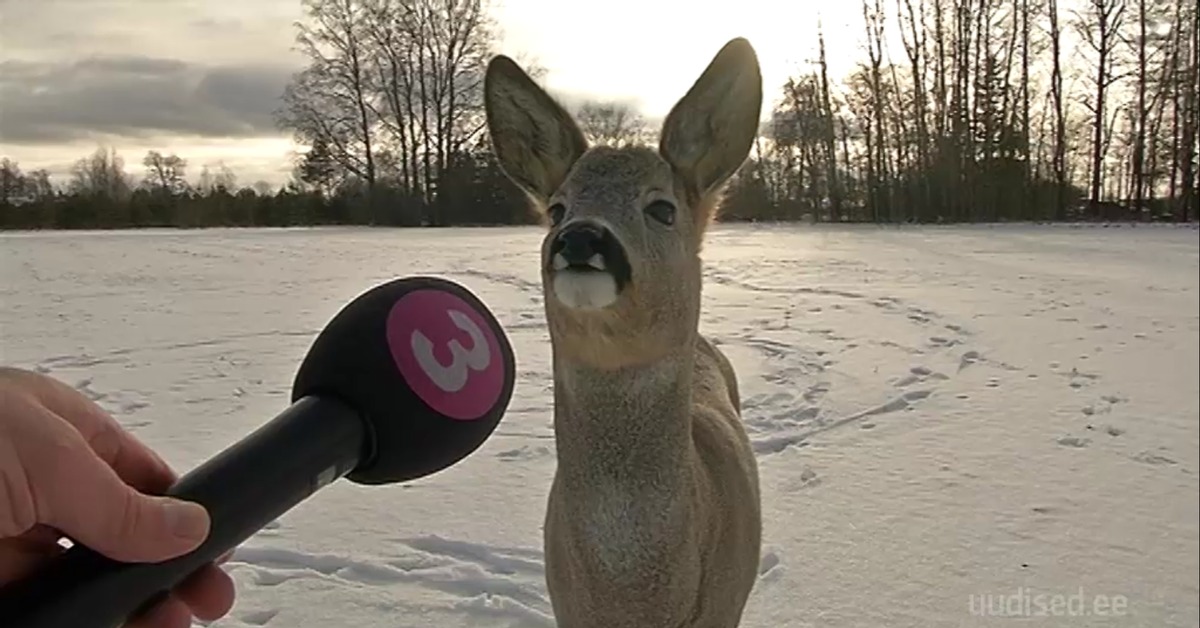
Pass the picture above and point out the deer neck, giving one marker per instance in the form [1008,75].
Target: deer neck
[624,428]
[623,480]
[622,398]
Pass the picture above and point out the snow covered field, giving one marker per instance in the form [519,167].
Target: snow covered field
[954,425]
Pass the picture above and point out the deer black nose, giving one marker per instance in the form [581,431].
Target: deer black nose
[579,242]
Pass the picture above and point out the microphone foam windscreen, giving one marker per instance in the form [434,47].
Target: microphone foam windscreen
[426,364]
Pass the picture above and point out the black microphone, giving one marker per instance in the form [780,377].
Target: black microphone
[409,378]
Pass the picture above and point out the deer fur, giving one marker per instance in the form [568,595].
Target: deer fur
[653,516]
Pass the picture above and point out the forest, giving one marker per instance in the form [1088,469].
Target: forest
[997,110]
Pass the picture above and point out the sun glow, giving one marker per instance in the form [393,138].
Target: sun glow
[649,53]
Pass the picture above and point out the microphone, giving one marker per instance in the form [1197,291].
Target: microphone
[406,380]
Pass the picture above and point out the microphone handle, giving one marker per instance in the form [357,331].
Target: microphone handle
[313,442]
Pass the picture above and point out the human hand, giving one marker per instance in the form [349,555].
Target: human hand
[68,469]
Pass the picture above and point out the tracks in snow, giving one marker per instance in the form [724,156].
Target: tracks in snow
[505,585]
[807,362]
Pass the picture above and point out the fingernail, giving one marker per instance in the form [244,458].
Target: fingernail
[186,519]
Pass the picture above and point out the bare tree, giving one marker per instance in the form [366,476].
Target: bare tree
[12,182]
[1059,160]
[828,132]
[102,175]
[330,100]
[877,170]
[612,123]
[388,110]
[223,182]
[167,173]
[1187,111]
[913,36]
[1099,28]
[37,184]
[1024,124]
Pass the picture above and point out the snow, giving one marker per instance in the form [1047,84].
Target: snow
[944,416]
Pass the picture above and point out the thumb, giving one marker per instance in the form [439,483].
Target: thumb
[93,506]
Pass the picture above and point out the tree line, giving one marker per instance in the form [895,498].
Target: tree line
[997,110]
[986,117]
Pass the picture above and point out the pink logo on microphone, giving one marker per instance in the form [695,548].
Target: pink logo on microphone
[446,352]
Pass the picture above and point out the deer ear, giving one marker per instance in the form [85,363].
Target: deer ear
[708,134]
[535,139]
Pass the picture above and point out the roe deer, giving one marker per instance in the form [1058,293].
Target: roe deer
[653,517]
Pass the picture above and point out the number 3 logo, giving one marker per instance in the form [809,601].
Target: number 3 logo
[423,326]
[453,377]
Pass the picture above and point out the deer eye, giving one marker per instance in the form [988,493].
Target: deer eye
[556,213]
[662,211]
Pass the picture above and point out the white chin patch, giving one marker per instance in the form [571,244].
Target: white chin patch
[585,290]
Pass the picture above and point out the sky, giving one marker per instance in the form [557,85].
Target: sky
[201,78]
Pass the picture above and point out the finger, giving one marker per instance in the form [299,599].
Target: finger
[209,593]
[134,462]
[170,612]
[61,399]
[83,497]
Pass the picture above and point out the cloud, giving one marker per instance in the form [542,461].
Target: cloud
[136,97]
